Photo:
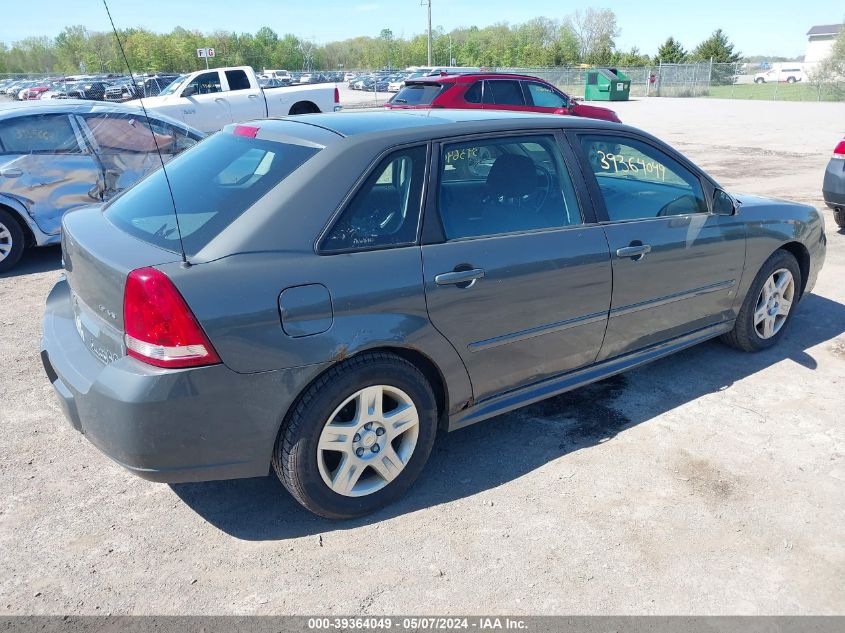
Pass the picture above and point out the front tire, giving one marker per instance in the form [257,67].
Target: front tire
[12,241]
[769,305]
[358,437]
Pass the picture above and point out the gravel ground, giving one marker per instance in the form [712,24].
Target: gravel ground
[708,483]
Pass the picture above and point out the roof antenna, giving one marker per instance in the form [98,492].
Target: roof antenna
[185,261]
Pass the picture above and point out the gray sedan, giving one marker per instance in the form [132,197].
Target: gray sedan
[331,289]
[59,155]
[833,186]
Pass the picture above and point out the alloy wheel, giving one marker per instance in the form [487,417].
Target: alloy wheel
[368,440]
[6,243]
[774,303]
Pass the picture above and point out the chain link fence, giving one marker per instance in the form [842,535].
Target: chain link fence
[783,82]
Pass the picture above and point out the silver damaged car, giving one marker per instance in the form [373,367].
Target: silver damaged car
[59,155]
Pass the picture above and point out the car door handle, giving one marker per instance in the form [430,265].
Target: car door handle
[220,100]
[637,251]
[11,172]
[253,96]
[468,277]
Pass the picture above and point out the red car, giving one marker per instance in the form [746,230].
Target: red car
[35,92]
[492,91]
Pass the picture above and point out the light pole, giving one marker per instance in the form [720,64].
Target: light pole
[427,3]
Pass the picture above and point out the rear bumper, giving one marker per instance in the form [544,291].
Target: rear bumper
[169,426]
[833,186]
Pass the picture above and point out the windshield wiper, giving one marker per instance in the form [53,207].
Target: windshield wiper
[400,101]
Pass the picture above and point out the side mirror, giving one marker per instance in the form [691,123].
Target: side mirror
[724,204]
[189,91]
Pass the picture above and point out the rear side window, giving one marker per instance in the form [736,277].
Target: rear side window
[385,211]
[213,184]
[505,92]
[417,94]
[474,93]
[505,185]
[46,133]
[124,133]
[237,80]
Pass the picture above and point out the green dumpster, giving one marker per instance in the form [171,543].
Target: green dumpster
[607,84]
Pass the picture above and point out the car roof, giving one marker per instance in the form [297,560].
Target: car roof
[77,106]
[10,110]
[476,76]
[394,125]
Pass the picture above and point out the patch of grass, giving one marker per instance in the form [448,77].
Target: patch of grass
[775,92]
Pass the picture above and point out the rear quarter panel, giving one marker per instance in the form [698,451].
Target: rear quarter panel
[280,100]
[236,299]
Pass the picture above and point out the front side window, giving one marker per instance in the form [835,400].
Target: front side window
[206,83]
[505,185]
[45,133]
[544,96]
[640,181]
[505,92]
[385,211]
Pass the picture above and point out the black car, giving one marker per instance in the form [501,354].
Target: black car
[93,91]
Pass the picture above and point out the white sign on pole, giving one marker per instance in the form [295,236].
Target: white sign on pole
[209,52]
[202,52]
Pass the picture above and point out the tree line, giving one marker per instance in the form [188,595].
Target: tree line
[585,37]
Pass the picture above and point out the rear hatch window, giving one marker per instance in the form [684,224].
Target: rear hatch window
[419,94]
[212,183]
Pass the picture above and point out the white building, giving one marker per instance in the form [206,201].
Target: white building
[820,42]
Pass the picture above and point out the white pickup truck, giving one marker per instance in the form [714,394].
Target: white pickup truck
[209,99]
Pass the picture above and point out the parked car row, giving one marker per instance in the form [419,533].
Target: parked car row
[377,81]
[115,89]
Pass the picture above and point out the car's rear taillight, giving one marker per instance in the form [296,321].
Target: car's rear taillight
[839,150]
[336,95]
[160,328]
[249,131]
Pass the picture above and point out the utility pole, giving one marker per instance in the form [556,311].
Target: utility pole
[427,3]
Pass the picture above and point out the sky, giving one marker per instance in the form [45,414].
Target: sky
[773,27]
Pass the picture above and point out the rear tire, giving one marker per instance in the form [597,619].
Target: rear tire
[341,457]
[12,241]
[839,217]
[303,107]
[760,322]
